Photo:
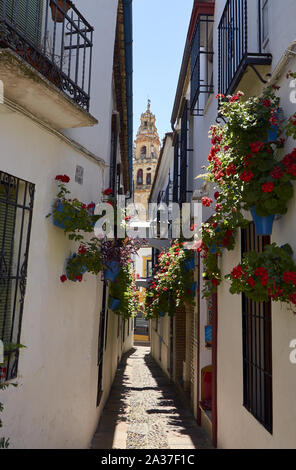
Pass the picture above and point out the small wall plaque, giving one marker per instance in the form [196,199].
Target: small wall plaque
[79,174]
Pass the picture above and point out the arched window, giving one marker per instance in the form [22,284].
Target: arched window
[148,178]
[143,152]
[140,177]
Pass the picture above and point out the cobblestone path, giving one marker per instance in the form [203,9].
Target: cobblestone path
[144,410]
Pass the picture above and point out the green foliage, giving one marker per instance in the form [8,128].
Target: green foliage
[172,285]
[270,275]
[76,216]
[247,172]
[124,289]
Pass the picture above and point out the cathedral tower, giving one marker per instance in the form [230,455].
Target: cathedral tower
[146,153]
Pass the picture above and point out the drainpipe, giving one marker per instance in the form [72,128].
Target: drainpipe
[276,75]
[128,44]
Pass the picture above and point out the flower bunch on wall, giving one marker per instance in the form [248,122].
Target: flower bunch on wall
[270,275]
[173,285]
[250,172]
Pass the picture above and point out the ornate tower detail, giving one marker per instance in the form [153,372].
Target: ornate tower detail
[146,153]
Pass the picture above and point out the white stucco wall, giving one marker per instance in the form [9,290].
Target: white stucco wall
[54,405]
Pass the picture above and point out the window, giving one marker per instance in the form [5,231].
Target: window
[149,268]
[143,152]
[148,179]
[176,184]
[257,345]
[183,155]
[201,63]
[265,22]
[16,208]
[26,16]
[140,177]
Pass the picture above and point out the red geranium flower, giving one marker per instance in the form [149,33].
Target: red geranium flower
[257,147]
[206,201]
[247,176]
[82,250]
[277,173]
[251,282]
[216,195]
[268,187]
[231,169]
[289,276]
[63,178]
[237,272]
[215,282]
[266,103]
[63,278]
[292,298]
[108,192]
[91,205]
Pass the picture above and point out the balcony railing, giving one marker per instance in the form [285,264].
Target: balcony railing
[201,64]
[237,48]
[55,39]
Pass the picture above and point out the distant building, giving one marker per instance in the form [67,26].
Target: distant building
[146,153]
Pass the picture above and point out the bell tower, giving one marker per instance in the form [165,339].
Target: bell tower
[146,153]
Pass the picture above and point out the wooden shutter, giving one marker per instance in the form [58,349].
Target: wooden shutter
[7,225]
[26,16]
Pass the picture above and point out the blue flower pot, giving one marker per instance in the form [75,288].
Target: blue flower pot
[162,314]
[83,270]
[114,304]
[208,334]
[60,208]
[274,130]
[213,250]
[190,265]
[193,287]
[112,271]
[263,225]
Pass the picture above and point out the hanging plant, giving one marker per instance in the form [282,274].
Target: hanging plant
[122,293]
[243,158]
[73,216]
[173,285]
[266,276]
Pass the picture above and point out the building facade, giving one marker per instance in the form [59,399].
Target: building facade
[231,45]
[146,153]
[66,109]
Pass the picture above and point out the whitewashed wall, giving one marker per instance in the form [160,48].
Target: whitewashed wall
[236,427]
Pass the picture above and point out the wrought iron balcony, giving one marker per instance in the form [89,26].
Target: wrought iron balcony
[54,38]
[239,49]
[201,64]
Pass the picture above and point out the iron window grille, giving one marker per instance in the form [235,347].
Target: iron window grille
[55,39]
[176,183]
[201,64]
[16,209]
[257,345]
[235,43]
[184,150]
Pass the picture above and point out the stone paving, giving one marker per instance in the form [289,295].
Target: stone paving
[144,410]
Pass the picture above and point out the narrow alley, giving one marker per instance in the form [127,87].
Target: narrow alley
[144,410]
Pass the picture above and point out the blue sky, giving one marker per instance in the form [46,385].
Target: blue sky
[160,29]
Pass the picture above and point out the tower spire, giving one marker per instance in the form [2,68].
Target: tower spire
[148,105]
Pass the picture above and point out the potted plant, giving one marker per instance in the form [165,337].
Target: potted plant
[244,160]
[71,215]
[173,285]
[58,15]
[266,276]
